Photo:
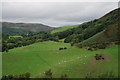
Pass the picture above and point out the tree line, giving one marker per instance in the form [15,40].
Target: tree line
[13,42]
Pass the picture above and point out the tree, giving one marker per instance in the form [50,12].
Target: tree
[6,49]
[10,45]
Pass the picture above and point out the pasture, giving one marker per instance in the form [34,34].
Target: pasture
[63,29]
[75,62]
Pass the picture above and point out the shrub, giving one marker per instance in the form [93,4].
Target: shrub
[27,75]
[13,77]
[99,57]
[48,73]
[91,49]
[107,75]
[64,76]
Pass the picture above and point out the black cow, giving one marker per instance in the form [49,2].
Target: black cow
[103,58]
[65,48]
[61,48]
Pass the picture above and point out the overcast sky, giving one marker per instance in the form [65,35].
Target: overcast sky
[55,13]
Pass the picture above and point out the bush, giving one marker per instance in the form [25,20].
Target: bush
[13,77]
[48,73]
[27,75]
[117,43]
[99,57]
[101,46]
[91,49]
[107,75]
[64,76]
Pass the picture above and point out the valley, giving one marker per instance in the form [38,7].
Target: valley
[87,50]
[75,62]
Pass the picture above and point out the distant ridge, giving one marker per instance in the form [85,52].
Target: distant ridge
[23,28]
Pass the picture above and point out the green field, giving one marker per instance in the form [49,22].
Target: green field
[63,29]
[75,62]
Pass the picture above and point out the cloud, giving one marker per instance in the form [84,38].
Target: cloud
[55,13]
[60,0]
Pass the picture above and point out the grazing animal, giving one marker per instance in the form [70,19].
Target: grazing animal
[103,58]
[61,48]
[65,48]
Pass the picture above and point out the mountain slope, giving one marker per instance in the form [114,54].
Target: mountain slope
[110,34]
[21,28]
[14,31]
[91,28]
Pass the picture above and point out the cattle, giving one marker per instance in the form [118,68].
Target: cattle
[103,58]
[65,48]
[61,48]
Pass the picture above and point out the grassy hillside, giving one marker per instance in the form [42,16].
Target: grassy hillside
[75,62]
[91,28]
[110,34]
[93,39]
[63,29]
[14,31]
[23,28]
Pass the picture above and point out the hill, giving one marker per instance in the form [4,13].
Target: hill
[14,31]
[23,28]
[110,34]
[87,30]
[63,29]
